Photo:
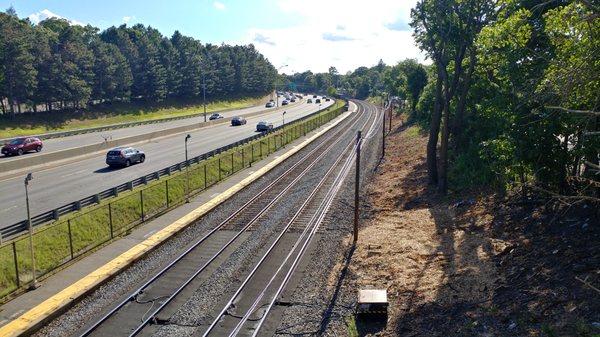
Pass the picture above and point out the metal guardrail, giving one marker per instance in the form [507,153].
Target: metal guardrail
[52,135]
[54,215]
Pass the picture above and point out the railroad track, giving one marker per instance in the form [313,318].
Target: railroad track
[146,305]
[250,312]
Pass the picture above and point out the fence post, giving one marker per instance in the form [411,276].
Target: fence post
[252,160]
[70,238]
[243,157]
[110,220]
[205,177]
[261,151]
[219,168]
[167,191]
[18,279]
[232,166]
[142,203]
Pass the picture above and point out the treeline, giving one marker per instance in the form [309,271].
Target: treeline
[511,98]
[515,94]
[56,65]
[405,80]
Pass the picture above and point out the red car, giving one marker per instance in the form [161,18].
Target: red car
[18,146]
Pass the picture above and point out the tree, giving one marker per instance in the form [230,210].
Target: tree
[446,31]
[17,62]
[416,79]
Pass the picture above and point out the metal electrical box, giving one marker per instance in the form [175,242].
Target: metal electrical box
[372,302]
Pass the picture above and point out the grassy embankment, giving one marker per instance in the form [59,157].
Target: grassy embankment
[79,233]
[44,122]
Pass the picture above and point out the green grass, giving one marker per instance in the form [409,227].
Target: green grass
[28,124]
[80,232]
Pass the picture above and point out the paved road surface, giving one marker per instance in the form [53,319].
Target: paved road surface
[57,144]
[57,186]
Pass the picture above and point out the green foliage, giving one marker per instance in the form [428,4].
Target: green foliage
[56,65]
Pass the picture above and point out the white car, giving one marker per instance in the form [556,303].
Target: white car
[270,104]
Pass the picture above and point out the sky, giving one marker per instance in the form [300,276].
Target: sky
[294,35]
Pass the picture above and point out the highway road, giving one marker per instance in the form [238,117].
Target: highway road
[58,144]
[57,186]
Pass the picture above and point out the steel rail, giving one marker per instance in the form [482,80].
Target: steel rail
[302,208]
[139,290]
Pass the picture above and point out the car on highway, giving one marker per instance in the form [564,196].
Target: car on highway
[293,100]
[285,102]
[270,104]
[309,100]
[314,96]
[21,145]
[124,156]
[318,100]
[264,126]
[327,99]
[238,120]
[215,116]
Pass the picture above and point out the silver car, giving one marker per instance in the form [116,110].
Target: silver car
[124,156]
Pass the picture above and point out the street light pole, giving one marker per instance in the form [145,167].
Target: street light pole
[276,95]
[187,171]
[34,284]
[204,94]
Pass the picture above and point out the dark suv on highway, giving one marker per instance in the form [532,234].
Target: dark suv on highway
[237,120]
[264,126]
[18,146]
[124,156]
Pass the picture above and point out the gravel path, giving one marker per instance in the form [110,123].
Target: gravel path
[114,290]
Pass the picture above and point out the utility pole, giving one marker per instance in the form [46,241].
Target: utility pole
[357,186]
[390,107]
[187,170]
[34,284]
[383,136]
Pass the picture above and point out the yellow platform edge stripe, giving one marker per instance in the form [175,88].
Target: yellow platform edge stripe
[65,297]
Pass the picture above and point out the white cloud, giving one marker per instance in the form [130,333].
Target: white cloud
[126,19]
[46,14]
[219,5]
[341,33]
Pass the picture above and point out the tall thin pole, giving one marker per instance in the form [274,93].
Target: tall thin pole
[383,136]
[204,94]
[187,170]
[390,112]
[357,186]
[34,283]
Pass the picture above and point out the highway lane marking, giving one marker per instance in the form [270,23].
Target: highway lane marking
[35,316]
[9,208]
[73,173]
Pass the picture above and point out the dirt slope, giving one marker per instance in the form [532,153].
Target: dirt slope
[471,265]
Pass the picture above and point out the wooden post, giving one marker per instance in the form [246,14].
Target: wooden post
[357,186]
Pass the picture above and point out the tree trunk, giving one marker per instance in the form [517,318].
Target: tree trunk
[434,130]
[443,164]
[459,118]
